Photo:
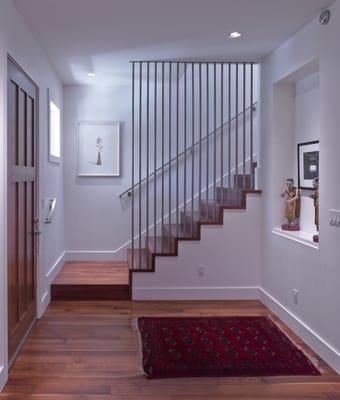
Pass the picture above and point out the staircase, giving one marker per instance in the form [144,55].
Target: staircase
[193,129]
[210,213]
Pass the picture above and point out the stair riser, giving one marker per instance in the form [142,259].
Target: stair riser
[228,196]
[209,211]
[89,292]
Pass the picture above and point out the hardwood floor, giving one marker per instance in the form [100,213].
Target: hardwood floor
[88,351]
[88,272]
[89,280]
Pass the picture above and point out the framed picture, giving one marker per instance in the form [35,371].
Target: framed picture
[308,164]
[98,149]
[54,130]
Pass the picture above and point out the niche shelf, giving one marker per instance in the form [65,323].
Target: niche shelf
[302,237]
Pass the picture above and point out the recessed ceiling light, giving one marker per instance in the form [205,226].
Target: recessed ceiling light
[234,35]
[91,74]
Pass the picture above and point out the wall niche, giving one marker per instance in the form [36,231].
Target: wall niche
[296,119]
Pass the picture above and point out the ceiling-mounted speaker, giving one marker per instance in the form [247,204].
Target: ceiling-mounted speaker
[325,16]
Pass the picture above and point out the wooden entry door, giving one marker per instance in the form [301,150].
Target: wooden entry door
[22,106]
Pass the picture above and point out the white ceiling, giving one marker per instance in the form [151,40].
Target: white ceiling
[81,36]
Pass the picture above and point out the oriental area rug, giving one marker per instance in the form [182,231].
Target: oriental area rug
[218,346]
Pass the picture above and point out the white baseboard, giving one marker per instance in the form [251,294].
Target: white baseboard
[195,293]
[56,267]
[307,334]
[51,274]
[3,377]
[75,255]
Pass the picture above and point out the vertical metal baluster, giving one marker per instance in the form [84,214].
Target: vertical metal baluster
[215,127]
[177,149]
[147,152]
[155,157]
[207,139]
[133,169]
[236,135]
[140,162]
[229,131]
[185,145]
[244,126]
[162,217]
[200,133]
[192,145]
[222,133]
[170,99]
[252,125]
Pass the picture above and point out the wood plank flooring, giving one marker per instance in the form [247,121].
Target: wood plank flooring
[88,351]
[90,272]
[92,280]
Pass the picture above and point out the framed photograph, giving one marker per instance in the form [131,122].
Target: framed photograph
[308,164]
[54,130]
[98,149]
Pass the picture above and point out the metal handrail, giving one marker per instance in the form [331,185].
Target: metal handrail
[189,149]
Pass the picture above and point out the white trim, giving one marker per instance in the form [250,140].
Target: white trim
[49,277]
[299,237]
[3,377]
[44,302]
[56,267]
[195,293]
[105,255]
[321,347]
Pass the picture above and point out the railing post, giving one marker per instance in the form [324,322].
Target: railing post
[252,125]
[222,133]
[133,169]
[185,143]
[193,144]
[244,126]
[147,151]
[155,156]
[236,134]
[140,161]
[170,143]
[163,149]
[177,149]
[207,139]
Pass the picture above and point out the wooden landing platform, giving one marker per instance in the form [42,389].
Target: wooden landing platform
[92,280]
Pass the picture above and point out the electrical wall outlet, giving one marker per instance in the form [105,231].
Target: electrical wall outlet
[295,297]
[201,270]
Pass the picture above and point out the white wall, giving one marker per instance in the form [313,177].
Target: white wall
[97,222]
[16,40]
[230,255]
[288,265]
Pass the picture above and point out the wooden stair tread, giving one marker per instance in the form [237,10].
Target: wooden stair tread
[91,280]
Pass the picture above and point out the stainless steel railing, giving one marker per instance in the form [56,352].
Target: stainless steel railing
[195,119]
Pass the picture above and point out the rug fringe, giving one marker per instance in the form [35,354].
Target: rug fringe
[135,327]
[312,359]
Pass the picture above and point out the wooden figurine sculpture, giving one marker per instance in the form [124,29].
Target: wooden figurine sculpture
[315,197]
[292,210]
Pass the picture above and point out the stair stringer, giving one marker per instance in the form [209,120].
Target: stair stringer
[229,251]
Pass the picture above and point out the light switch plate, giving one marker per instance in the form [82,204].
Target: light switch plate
[334,218]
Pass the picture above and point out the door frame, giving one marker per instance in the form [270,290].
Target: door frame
[12,60]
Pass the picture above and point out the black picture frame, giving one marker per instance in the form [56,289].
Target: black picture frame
[308,163]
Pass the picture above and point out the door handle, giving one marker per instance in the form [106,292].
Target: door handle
[37,231]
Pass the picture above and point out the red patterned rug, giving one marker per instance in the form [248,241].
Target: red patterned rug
[207,347]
